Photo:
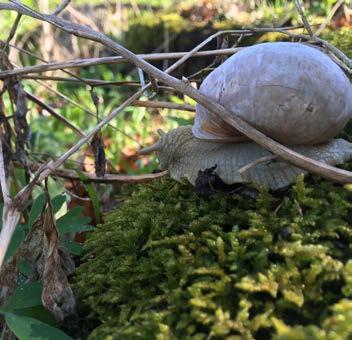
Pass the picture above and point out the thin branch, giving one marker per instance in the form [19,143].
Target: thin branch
[86,110]
[10,214]
[109,60]
[164,105]
[328,46]
[57,115]
[108,178]
[321,28]
[255,163]
[93,82]
[3,181]
[303,17]
[12,32]
[61,7]
[86,199]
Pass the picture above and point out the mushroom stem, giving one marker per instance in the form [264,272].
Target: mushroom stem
[149,149]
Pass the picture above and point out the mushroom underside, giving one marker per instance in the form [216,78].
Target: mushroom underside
[274,174]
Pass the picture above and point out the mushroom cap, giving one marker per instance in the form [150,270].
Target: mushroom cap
[292,92]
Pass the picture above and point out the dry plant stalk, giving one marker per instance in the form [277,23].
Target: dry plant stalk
[281,151]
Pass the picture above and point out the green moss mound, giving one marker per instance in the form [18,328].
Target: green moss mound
[165,266]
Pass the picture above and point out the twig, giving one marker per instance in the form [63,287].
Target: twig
[86,199]
[109,60]
[329,47]
[93,82]
[108,178]
[303,17]
[164,105]
[255,163]
[61,7]
[57,115]
[4,186]
[86,110]
[321,28]
[10,214]
[12,32]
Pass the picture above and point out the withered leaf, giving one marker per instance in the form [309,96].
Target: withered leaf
[57,294]
[99,154]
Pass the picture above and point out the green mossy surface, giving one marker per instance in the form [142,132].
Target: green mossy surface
[165,266]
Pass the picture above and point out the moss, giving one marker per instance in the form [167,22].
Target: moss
[342,39]
[165,266]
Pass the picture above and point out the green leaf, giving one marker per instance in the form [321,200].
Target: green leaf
[181,121]
[26,295]
[58,201]
[25,268]
[39,313]
[71,215]
[16,240]
[73,247]
[72,228]
[92,195]
[26,328]
[37,208]
[72,222]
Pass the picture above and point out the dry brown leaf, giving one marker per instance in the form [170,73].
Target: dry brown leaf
[57,294]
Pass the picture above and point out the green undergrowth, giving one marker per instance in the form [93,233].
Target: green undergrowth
[167,266]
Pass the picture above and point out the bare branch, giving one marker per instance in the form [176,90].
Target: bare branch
[86,199]
[10,219]
[4,186]
[109,60]
[321,28]
[108,178]
[255,163]
[12,32]
[164,105]
[86,110]
[61,7]
[303,17]
[57,115]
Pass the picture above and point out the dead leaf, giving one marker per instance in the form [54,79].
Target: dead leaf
[57,294]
